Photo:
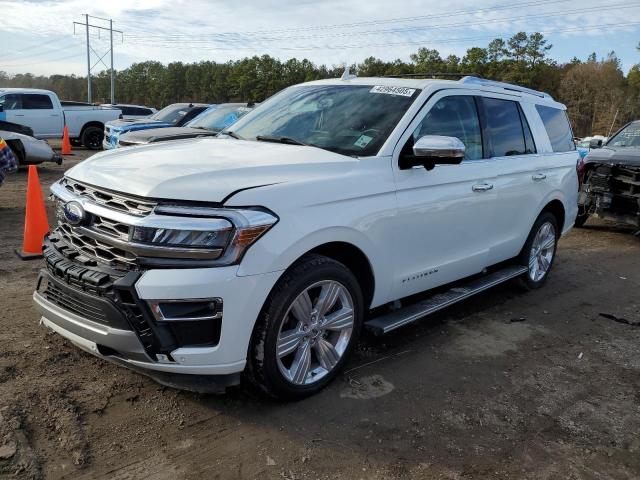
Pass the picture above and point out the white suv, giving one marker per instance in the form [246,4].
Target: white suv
[266,252]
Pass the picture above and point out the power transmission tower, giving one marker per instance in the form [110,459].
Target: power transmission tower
[90,49]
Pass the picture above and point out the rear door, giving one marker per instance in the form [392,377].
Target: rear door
[517,161]
[48,121]
[529,172]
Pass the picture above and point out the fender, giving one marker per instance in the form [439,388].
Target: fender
[257,260]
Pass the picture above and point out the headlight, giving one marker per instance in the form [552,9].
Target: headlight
[221,234]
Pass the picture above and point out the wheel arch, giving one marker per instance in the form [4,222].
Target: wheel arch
[355,260]
[18,150]
[93,123]
[346,245]
[556,208]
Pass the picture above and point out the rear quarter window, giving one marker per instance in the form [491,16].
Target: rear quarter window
[558,128]
[36,102]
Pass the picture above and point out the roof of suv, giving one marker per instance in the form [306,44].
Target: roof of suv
[464,82]
[26,90]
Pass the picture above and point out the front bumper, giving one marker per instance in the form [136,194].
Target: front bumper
[97,328]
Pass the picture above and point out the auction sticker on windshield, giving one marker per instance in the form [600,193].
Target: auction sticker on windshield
[403,91]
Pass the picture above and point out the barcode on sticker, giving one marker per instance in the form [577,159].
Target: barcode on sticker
[403,91]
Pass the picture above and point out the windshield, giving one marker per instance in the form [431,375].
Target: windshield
[171,114]
[219,118]
[348,119]
[629,136]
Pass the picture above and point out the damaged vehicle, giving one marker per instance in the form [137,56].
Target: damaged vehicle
[611,186]
[27,149]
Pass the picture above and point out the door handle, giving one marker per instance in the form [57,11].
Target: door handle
[538,176]
[482,187]
[18,114]
[54,115]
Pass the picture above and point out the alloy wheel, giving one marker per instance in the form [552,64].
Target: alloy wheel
[315,332]
[542,251]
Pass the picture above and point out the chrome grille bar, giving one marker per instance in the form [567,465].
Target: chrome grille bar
[109,199]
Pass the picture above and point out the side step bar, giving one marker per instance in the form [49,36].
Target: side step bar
[396,319]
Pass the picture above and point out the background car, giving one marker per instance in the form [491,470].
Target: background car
[27,148]
[208,124]
[46,115]
[175,115]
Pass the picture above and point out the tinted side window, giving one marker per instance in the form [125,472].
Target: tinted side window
[191,114]
[558,128]
[141,111]
[11,101]
[36,102]
[454,116]
[505,127]
[127,110]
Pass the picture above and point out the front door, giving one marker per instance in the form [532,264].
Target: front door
[444,219]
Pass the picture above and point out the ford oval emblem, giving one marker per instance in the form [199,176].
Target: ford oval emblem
[74,213]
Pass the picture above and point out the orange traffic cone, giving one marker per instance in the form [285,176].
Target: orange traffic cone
[66,143]
[36,225]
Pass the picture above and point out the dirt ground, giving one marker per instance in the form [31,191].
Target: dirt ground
[507,385]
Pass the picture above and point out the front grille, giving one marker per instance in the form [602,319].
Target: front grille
[111,227]
[60,297]
[94,248]
[118,202]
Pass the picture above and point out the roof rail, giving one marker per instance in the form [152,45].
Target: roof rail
[430,75]
[506,86]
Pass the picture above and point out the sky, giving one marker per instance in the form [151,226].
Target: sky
[38,36]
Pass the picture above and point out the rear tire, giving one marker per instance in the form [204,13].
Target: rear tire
[18,151]
[92,138]
[539,251]
[581,220]
[307,329]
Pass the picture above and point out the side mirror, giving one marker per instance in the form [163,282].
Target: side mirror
[595,143]
[431,150]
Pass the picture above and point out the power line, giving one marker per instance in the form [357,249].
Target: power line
[53,60]
[438,40]
[509,6]
[198,40]
[48,52]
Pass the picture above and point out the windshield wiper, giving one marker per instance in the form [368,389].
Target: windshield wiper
[276,139]
[231,134]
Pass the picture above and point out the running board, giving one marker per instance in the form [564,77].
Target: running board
[397,318]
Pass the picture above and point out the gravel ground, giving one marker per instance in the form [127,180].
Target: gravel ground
[506,385]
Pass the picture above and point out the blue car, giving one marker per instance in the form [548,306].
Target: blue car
[175,115]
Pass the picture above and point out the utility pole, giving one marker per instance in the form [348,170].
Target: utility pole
[88,61]
[90,49]
[113,86]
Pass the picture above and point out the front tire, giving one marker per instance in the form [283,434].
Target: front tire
[307,329]
[92,138]
[539,251]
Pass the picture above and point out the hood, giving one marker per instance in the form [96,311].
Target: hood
[206,169]
[125,124]
[615,155]
[169,133]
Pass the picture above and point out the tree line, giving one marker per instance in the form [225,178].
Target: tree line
[598,95]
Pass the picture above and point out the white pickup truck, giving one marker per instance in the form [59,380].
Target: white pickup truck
[42,111]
